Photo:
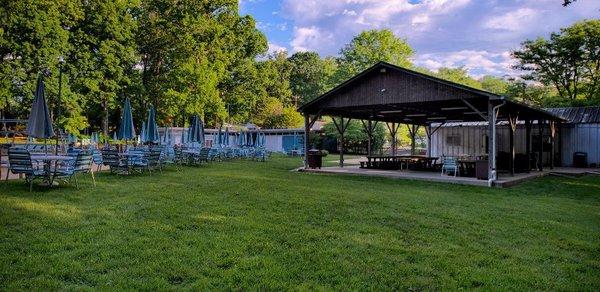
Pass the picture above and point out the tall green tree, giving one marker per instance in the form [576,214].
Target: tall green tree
[206,39]
[101,64]
[309,76]
[370,47]
[458,75]
[569,60]
[494,84]
[33,35]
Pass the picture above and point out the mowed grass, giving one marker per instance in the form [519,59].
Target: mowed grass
[252,225]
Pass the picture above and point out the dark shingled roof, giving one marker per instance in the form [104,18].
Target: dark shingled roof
[578,115]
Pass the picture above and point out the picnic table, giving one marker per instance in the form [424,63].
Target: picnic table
[399,162]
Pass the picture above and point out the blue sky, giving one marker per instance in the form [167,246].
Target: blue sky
[475,34]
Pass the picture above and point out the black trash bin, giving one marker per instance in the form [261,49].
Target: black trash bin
[580,159]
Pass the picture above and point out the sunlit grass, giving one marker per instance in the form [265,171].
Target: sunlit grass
[251,225]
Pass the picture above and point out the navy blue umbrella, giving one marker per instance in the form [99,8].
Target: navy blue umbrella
[152,130]
[196,130]
[126,130]
[39,124]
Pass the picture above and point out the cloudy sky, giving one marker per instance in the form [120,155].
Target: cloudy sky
[476,34]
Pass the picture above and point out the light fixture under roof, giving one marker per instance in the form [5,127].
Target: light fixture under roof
[454,108]
[436,118]
[416,115]
[390,112]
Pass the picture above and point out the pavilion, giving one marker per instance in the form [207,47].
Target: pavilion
[394,95]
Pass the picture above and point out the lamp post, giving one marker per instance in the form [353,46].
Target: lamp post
[61,62]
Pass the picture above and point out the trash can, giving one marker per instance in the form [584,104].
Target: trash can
[314,158]
[481,169]
[580,159]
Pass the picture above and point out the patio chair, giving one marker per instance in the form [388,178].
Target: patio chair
[203,156]
[111,158]
[97,159]
[19,162]
[178,157]
[450,164]
[81,164]
[153,159]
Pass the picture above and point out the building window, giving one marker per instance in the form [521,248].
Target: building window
[453,140]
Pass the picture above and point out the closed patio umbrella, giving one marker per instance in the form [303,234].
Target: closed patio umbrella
[183,136]
[152,130]
[39,124]
[226,137]
[126,130]
[143,132]
[220,136]
[196,130]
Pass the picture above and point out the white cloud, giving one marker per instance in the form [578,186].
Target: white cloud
[514,20]
[476,34]
[308,38]
[477,63]
[273,48]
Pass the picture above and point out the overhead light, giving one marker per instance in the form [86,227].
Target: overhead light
[407,119]
[437,118]
[383,90]
[454,108]
[416,115]
[390,112]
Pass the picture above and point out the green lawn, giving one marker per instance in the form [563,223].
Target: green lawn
[252,225]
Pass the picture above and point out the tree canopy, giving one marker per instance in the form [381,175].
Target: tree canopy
[188,57]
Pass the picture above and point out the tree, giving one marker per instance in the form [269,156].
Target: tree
[33,35]
[569,60]
[205,39]
[494,84]
[103,58]
[309,75]
[355,134]
[458,75]
[370,47]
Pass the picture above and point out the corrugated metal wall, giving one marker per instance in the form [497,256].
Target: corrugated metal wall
[583,138]
[578,137]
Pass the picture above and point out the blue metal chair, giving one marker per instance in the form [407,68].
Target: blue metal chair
[450,164]
[81,164]
[19,162]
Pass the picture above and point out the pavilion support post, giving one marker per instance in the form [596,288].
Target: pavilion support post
[552,148]
[512,119]
[308,124]
[541,145]
[491,144]
[559,143]
[369,127]
[341,127]
[306,138]
[393,132]
[412,130]
[528,143]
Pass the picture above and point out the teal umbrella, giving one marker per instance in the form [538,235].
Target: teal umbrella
[183,136]
[226,137]
[152,130]
[220,136]
[126,130]
[196,130]
[39,124]
[143,132]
